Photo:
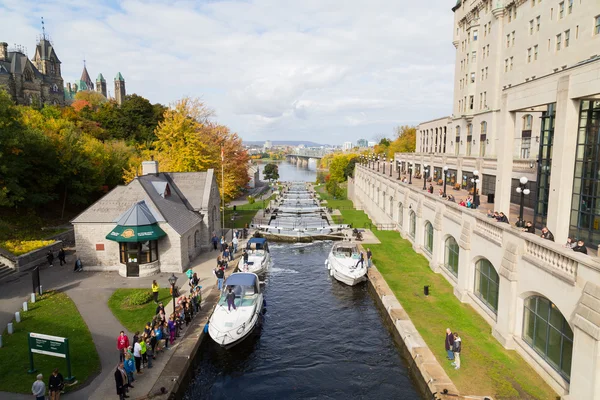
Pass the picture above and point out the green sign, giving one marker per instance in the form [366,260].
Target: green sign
[50,346]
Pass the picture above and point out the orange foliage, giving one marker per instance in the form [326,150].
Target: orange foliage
[79,105]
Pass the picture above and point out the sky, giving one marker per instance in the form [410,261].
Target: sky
[327,71]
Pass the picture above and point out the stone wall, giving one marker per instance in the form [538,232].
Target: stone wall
[37,257]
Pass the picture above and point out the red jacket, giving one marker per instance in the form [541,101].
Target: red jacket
[122,342]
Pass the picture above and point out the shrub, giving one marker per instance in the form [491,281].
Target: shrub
[138,298]
[251,199]
[19,247]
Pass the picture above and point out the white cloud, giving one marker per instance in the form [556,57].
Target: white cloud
[321,70]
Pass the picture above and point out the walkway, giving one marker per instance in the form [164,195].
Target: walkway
[90,292]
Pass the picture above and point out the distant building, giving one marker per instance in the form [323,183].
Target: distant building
[372,144]
[267,145]
[254,174]
[85,84]
[347,146]
[362,143]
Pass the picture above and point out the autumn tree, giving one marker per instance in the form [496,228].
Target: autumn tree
[405,142]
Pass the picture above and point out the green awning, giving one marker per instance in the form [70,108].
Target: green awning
[136,233]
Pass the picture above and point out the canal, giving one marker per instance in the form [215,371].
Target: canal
[319,340]
[291,172]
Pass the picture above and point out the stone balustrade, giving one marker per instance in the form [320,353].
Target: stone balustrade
[556,261]
[489,230]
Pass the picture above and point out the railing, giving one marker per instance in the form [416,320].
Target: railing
[551,260]
[454,214]
[429,204]
[489,231]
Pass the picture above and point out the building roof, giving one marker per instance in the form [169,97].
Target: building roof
[181,206]
[139,214]
[85,77]
[16,63]
[119,77]
[45,50]
[100,78]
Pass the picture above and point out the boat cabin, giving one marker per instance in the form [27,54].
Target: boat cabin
[257,246]
[246,287]
[343,250]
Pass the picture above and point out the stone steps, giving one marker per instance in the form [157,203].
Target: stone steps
[6,271]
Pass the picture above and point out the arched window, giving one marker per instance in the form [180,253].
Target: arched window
[527,122]
[487,283]
[391,207]
[28,75]
[428,237]
[400,214]
[413,224]
[451,253]
[383,202]
[55,88]
[30,100]
[547,331]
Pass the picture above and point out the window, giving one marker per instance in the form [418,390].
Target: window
[472,77]
[515,12]
[509,15]
[485,99]
[558,41]
[525,147]
[428,237]
[480,101]
[547,331]
[507,41]
[483,139]
[529,55]
[532,3]
[482,74]
[511,63]
[551,14]
[28,75]
[413,224]
[490,27]
[531,27]
[513,37]
[451,253]
[486,72]
[577,32]
[597,25]
[55,88]
[469,137]
[567,36]
[471,102]
[138,252]
[570,6]
[488,50]
[538,21]
[527,122]
[506,65]
[487,283]
[475,35]
[474,56]
[400,214]
[561,10]
[535,52]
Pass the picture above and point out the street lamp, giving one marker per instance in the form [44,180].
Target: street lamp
[377,163]
[410,170]
[424,176]
[445,178]
[475,180]
[391,166]
[523,190]
[383,164]
[172,282]
[398,163]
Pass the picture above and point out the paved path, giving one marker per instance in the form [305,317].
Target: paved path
[90,292]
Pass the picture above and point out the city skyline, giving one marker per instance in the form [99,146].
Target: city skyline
[309,71]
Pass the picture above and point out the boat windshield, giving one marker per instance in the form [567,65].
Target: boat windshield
[244,296]
[346,252]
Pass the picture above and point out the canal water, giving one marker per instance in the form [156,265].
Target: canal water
[319,340]
[291,172]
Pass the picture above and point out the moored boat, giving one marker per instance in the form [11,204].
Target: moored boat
[344,263]
[258,256]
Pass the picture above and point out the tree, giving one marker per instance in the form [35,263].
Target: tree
[405,142]
[334,189]
[349,170]
[271,172]
[94,99]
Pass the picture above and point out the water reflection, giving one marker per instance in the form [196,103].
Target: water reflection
[293,172]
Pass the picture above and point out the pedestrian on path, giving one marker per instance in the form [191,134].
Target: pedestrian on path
[121,381]
[457,348]
[215,241]
[39,388]
[129,368]
[160,307]
[62,256]
[143,351]
[50,257]
[78,265]
[122,345]
[223,244]
[155,288]
[172,329]
[137,355]
[166,333]
[149,353]
[369,258]
[220,274]
[234,244]
[449,344]
[56,384]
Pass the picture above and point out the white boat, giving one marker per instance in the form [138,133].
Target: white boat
[258,256]
[229,327]
[343,263]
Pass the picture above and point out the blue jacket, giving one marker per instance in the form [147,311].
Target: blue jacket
[129,365]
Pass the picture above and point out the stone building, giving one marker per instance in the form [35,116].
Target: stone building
[85,84]
[526,105]
[159,222]
[35,81]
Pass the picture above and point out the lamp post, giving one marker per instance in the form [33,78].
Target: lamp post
[383,164]
[391,166]
[372,162]
[377,163]
[410,170]
[172,282]
[445,178]
[398,163]
[475,180]
[424,176]
[523,190]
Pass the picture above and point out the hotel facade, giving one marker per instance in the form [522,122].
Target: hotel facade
[526,104]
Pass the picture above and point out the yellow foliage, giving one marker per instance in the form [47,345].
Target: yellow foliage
[19,247]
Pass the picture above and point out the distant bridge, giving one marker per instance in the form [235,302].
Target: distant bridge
[303,156]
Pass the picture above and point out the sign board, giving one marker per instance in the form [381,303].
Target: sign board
[49,345]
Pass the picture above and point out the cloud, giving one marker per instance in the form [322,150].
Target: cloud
[322,70]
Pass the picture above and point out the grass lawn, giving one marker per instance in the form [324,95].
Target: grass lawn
[245,212]
[487,368]
[134,318]
[53,314]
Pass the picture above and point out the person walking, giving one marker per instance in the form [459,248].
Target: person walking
[50,258]
[39,388]
[121,381]
[230,300]
[220,274]
[457,348]
[361,260]
[449,344]
[234,244]
[62,256]
[137,356]
[78,265]
[223,244]
[56,384]
[155,288]
[369,258]
[215,241]
[226,255]
[122,345]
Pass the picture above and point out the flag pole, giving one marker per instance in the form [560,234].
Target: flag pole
[223,188]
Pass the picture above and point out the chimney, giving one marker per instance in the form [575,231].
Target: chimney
[3,51]
[150,167]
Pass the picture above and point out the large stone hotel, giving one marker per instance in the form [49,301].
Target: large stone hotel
[526,105]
